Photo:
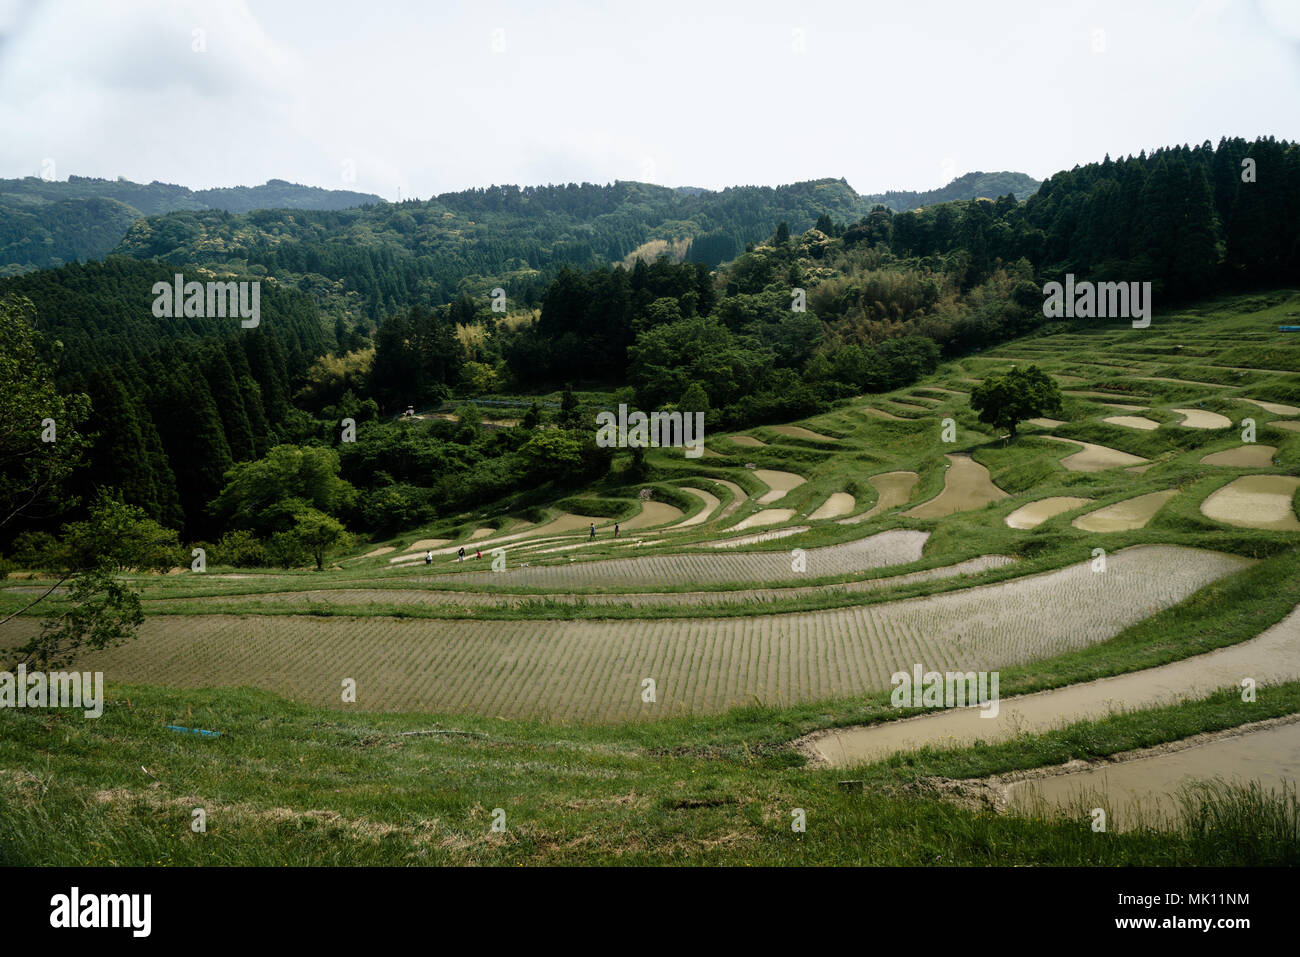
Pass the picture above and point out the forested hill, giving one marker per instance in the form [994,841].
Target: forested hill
[428,252]
[969,186]
[151,199]
[44,224]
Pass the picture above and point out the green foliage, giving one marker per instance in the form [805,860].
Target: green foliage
[33,469]
[99,612]
[1004,401]
[314,534]
[287,473]
[120,537]
[239,548]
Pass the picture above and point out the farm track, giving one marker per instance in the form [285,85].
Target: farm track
[592,671]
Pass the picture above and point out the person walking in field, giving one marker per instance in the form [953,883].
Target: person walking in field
[616,529]
[428,557]
[460,555]
[479,553]
[593,530]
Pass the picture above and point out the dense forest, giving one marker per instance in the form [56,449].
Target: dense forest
[235,436]
[967,186]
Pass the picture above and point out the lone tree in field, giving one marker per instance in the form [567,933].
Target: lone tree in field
[1004,401]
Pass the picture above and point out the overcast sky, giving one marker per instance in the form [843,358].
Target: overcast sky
[433,96]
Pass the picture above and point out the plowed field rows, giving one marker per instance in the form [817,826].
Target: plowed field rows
[593,670]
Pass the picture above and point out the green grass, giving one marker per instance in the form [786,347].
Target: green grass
[290,784]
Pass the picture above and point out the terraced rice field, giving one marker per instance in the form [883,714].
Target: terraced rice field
[1142,789]
[1270,658]
[593,670]
[564,522]
[1255,501]
[1244,456]
[1128,514]
[895,547]
[1035,513]
[778,483]
[711,505]
[652,514]
[882,414]
[766,516]
[892,490]
[1277,408]
[840,503]
[799,432]
[1201,419]
[502,599]
[966,485]
[1133,422]
[1095,458]
[748,441]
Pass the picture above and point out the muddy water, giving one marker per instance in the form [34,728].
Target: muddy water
[966,485]
[778,483]
[1122,516]
[1146,788]
[840,503]
[651,514]
[1271,658]
[1200,419]
[1290,426]
[711,504]
[738,498]
[893,488]
[1133,422]
[1095,458]
[1035,513]
[1277,408]
[748,441]
[1243,456]
[767,516]
[1255,501]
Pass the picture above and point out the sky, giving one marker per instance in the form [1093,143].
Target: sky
[417,98]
